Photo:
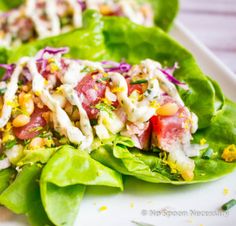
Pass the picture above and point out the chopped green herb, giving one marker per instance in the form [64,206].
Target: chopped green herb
[149,91]
[36,129]
[26,142]
[93,122]
[10,144]
[229,204]
[65,20]
[45,134]
[85,69]
[103,79]
[20,83]
[141,223]
[64,140]
[2,91]
[156,150]
[104,107]
[2,157]
[208,153]
[141,81]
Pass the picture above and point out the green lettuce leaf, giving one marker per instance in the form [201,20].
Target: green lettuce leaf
[3,59]
[40,155]
[6,176]
[8,5]
[23,196]
[165,12]
[63,182]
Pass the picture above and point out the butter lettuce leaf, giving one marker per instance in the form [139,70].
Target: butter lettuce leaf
[6,176]
[8,5]
[164,11]
[63,181]
[23,196]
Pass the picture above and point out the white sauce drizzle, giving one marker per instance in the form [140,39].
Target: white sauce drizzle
[85,126]
[135,113]
[77,13]
[10,93]
[153,72]
[62,122]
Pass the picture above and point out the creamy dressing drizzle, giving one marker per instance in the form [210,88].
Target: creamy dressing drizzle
[85,126]
[77,12]
[10,93]
[62,122]
[135,112]
[153,72]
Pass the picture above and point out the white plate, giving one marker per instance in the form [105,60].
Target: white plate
[157,204]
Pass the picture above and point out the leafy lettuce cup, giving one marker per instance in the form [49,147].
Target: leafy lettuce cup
[37,19]
[115,103]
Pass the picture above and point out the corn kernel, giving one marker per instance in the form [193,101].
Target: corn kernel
[168,109]
[21,120]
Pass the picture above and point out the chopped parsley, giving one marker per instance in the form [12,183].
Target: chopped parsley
[105,107]
[103,79]
[85,69]
[9,144]
[141,81]
[2,91]
[93,122]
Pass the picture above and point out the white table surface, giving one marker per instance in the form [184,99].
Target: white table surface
[214,23]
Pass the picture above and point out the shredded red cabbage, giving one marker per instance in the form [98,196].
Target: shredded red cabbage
[52,51]
[110,66]
[42,64]
[9,70]
[168,72]
[82,4]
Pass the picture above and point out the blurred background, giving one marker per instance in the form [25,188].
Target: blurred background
[214,23]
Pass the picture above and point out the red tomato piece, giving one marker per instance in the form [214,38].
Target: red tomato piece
[30,131]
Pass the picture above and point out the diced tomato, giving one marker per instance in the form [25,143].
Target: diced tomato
[30,131]
[167,129]
[133,87]
[145,137]
[93,90]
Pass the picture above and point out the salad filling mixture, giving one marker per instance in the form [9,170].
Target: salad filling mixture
[47,101]
[38,19]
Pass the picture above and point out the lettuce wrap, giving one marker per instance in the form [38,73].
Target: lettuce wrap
[64,171]
[164,11]
[35,19]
